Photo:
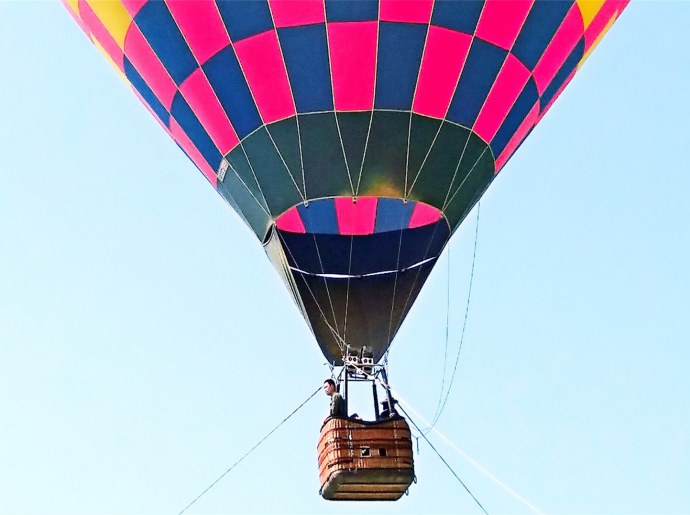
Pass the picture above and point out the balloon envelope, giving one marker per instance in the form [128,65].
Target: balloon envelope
[352,137]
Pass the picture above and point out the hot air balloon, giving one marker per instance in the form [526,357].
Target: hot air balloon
[353,138]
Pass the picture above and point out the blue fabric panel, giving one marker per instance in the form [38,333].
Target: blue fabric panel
[377,253]
[460,16]
[225,76]
[319,217]
[185,153]
[360,255]
[362,10]
[301,251]
[305,51]
[160,30]
[520,109]
[245,18]
[146,93]
[185,117]
[483,63]
[520,144]
[540,26]
[399,59]
[392,214]
[318,253]
[194,164]
[568,66]
[343,254]
[422,243]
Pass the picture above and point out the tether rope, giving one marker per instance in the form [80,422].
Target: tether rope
[473,462]
[250,451]
[387,387]
[443,460]
[486,472]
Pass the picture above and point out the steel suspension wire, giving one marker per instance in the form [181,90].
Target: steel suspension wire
[443,460]
[250,451]
[441,406]
[445,348]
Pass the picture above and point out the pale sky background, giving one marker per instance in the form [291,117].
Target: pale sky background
[146,342]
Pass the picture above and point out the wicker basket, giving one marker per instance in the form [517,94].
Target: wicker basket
[365,461]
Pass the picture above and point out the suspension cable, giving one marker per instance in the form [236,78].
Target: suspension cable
[443,460]
[250,451]
[445,348]
[441,406]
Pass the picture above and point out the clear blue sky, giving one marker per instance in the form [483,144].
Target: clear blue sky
[146,342]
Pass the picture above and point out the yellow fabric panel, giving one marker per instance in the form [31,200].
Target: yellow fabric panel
[589,9]
[596,41]
[110,60]
[74,5]
[114,18]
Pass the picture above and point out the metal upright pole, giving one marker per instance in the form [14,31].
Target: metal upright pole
[376,399]
[347,411]
[387,388]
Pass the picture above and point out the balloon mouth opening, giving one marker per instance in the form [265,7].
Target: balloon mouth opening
[356,216]
[354,266]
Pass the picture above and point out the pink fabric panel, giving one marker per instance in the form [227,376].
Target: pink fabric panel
[290,13]
[290,221]
[529,122]
[607,11]
[561,45]
[444,57]
[96,28]
[264,69]
[202,99]
[560,90]
[149,67]
[411,11]
[356,218]
[501,21]
[353,64]
[155,116]
[201,25]
[181,138]
[134,6]
[423,214]
[505,91]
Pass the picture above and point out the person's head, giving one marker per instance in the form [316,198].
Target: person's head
[329,386]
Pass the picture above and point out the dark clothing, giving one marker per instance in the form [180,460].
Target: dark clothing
[338,405]
[386,412]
